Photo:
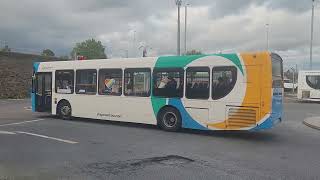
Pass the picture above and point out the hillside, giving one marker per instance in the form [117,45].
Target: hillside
[16,73]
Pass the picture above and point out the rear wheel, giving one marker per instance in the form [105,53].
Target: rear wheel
[64,110]
[169,119]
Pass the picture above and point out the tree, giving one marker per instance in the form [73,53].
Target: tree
[47,52]
[193,52]
[90,49]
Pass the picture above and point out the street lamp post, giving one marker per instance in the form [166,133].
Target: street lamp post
[311,40]
[178,3]
[185,27]
[293,79]
[134,44]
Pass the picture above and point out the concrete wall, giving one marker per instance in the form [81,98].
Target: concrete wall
[16,72]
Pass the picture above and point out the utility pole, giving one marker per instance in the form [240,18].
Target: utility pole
[132,43]
[178,3]
[185,27]
[293,79]
[311,40]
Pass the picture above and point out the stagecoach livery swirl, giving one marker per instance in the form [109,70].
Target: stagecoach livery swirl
[253,103]
[271,108]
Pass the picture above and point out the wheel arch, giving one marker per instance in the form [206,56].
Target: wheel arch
[61,102]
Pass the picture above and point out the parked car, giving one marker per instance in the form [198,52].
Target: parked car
[288,84]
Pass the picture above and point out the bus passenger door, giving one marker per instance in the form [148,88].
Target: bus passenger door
[197,95]
[43,92]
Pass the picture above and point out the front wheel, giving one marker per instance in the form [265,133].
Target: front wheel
[169,119]
[64,111]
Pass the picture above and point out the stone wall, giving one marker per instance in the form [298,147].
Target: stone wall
[16,73]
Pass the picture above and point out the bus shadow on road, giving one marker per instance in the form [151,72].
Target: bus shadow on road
[109,122]
[241,135]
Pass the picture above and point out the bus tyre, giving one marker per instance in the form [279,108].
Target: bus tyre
[170,119]
[64,110]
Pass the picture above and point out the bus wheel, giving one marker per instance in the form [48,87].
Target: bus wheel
[170,119]
[64,110]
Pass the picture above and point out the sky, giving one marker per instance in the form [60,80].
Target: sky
[214,26]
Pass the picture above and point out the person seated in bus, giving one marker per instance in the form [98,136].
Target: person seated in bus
[219,87]
[163,82]
[171,84]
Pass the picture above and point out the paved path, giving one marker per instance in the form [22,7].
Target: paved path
[313,122]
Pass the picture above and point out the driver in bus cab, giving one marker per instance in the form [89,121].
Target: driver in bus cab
[163,82]
[171,84]
[220,86]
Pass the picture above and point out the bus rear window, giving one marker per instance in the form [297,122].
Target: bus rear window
[277,77]
[313,81]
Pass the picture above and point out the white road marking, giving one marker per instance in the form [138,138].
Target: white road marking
[23,122]
[47,137]
[7,132]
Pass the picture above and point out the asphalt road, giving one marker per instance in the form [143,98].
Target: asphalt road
[35,146]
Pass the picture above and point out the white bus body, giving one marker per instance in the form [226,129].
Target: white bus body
[207,92]
[309,85]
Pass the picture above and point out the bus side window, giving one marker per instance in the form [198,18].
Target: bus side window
[137,82]
[224,79]
[64,81]
[86,81]
[110,82]
[313,81]
[198,80]
[168,82]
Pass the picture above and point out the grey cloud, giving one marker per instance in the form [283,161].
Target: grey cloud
[221,8]
[34,24]
[290,5]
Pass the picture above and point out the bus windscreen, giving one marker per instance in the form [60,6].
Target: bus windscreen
[277,71]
